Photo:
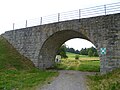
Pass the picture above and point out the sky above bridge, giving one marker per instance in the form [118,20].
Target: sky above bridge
[12,11]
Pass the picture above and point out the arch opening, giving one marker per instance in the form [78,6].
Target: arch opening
[50,47]
[77,54]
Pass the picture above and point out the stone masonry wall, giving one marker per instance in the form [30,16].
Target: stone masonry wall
[40,43]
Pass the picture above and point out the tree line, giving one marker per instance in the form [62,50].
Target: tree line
[91,52]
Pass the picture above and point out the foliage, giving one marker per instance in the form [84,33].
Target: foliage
[83,51]
[62,51]
[109,81]
[67,49]
[95,54]
[86,51]
[92,52]
[76,57]
[72,50]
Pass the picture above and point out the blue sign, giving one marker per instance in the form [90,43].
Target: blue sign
[103,51]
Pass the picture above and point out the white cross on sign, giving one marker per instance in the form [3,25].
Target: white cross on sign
[103,51]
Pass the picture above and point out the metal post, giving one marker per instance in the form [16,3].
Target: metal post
[105,9]
[58,17]
[26,24]
[41,21]
[13,26]
[79,13]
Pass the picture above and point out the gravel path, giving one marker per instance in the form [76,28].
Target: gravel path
[68,80]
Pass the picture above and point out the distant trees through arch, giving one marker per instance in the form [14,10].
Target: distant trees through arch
[91,52]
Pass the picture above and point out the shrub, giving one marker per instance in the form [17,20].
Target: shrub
[90,53]
[76,57]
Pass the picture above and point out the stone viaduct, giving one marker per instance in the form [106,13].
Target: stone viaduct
[41,43]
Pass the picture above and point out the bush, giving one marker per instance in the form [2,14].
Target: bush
[76,57]
[90,53]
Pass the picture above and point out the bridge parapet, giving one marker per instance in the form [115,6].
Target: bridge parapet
[70,15]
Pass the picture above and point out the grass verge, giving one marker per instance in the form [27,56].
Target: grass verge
[91,66]
[109,81]
[19,80]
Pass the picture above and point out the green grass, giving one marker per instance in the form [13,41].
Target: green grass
[84,63]
[109,81]
[82,57]
[14,79]
[91,66]
[18,72]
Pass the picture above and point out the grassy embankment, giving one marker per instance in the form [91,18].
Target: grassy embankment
[84,63]
[18,72]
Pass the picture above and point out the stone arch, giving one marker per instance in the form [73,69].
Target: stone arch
[52,44]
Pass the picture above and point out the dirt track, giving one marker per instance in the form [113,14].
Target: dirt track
[68,80]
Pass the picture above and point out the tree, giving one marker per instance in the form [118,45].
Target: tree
[95,54]
[62,51]
[90,53]
[77,52]
[84,51]
[72,50]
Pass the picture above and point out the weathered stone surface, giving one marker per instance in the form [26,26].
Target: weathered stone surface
[40,43]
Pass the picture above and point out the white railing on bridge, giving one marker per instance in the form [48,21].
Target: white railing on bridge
[70,15]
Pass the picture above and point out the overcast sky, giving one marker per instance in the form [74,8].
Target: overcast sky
[12,11]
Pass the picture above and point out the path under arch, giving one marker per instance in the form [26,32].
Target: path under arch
[68,80]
